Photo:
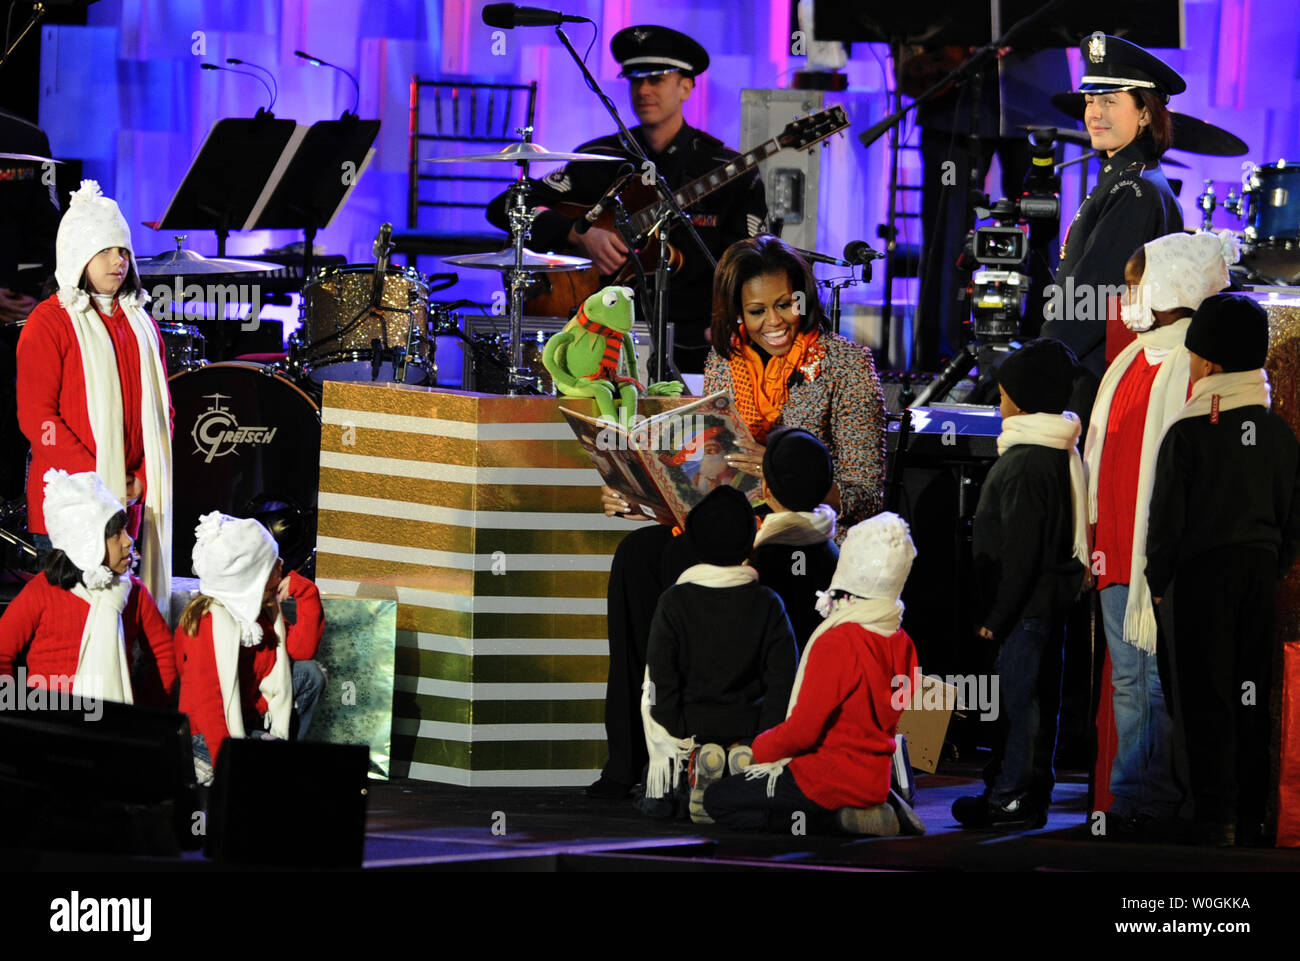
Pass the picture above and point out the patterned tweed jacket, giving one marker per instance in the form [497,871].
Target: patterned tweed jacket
[844,406]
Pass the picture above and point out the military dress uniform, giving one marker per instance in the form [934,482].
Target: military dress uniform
[734,212]
[1131,204]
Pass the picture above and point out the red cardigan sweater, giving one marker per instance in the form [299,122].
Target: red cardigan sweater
[52,398]
[46,621]
[201,685]
[841,731]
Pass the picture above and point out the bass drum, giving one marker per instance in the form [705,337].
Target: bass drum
[246,443]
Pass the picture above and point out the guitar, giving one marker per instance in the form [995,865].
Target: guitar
[560,295]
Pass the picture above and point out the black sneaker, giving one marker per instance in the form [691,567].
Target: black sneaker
[1019,813]
[972,811]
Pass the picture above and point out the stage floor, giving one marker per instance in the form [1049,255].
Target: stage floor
[418,826]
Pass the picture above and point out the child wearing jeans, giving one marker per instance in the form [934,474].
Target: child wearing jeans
[720,659]
[243,669]
[1224,527]
[1030,554]
[830,759]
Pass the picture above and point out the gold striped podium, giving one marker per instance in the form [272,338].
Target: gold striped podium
[480,515]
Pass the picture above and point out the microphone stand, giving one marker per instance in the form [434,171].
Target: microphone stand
[658,333]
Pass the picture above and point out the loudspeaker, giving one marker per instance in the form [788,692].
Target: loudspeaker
[105,777]
[288,804]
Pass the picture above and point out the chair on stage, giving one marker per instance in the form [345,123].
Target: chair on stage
[458,117]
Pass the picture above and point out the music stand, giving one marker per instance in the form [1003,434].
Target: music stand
[314,179]
[228,176]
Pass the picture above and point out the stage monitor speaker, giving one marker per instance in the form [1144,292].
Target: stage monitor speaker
[288,804]
[103,778]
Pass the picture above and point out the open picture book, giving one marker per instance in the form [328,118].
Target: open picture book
[664,465]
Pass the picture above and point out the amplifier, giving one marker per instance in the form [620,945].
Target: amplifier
[944,433]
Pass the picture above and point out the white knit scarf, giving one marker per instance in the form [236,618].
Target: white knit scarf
[104,406]
[276,687]
[668,753]
[797,528]
[1061,432]
[1163,345]
[876,614]
[103,669]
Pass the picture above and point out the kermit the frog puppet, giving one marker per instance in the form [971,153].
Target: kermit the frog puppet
[584,357]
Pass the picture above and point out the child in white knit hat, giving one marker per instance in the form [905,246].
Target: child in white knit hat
[79,624]
[243,669]
[1144,387]
[830,758]
[92,387]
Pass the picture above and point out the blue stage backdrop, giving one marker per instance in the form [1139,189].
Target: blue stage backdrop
[126,94]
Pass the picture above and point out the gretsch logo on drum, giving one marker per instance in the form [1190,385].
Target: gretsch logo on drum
[217,433]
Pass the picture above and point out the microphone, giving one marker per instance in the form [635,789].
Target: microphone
[380,249]
[275,93]
[592,215]
[242,73]
[318,62]
[511,15]
[815,258]
[859,252]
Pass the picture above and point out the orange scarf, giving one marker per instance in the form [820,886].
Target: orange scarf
[762,391]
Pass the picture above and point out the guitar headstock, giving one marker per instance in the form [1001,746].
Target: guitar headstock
[807,131]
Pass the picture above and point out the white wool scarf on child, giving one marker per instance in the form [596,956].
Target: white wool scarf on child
[797,528]
[878,615]
[1061,432]
[107,423]
[103,669]
[669,753]
[276,687]
[1163,346]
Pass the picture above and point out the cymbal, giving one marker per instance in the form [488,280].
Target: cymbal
[533,262]
[29,158]
[522,152]
[184,262]
[1189,133]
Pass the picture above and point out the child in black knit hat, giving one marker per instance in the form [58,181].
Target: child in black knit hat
[1224,527]
[720,659]
[1030,560]
[794,551]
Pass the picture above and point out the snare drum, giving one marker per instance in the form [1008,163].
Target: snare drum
[342,338]
[247,443]
[1273,211]
[185,347]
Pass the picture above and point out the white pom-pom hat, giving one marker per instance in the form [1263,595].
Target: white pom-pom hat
[78,508]
[876,558]
[92,223]
[1181,271]
[233,557]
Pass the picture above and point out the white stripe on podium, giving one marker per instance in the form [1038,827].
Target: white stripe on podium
[514,561]
[458,776]
[464,603]
[474,733]
[497,646]
[470,691]
[460,474]
[502,520]
[434,427]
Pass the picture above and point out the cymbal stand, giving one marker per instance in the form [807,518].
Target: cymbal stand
[520,217]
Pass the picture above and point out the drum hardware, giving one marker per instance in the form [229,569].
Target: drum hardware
[520,268]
